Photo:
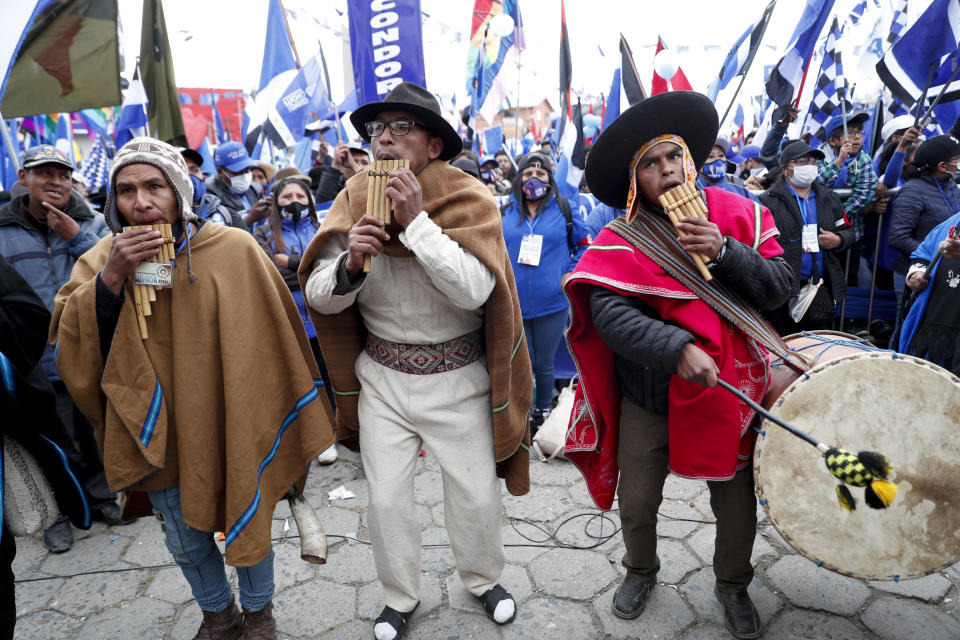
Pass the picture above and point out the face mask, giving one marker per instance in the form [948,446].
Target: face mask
[804,175]
[293,210]
[487,177]
[534,189]
[715,169]
[199,187]
[239,184]
[756,171]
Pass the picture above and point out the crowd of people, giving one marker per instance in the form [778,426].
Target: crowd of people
[294,319]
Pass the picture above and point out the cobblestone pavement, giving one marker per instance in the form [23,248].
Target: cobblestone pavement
[562,593]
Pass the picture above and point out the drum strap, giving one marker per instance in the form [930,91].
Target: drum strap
[655,237]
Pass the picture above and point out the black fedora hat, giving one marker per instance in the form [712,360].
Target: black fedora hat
[418,102]
[687,114]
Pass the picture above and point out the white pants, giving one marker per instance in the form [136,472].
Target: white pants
[448,414]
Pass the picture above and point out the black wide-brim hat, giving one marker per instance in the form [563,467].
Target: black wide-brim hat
[687,114]
[419,103]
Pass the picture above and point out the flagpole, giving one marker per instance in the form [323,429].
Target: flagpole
[289,35]
[516,121]
[146,114]
[743,79]
[9,143]
[936,101]
[923,98]
[326,78]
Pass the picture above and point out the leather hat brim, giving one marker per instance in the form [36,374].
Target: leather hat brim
[687,114]
[452,144]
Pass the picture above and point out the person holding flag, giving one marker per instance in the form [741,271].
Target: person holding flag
[651,338]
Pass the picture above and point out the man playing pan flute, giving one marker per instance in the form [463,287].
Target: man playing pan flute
[425,349]
[216,413]
[650,336]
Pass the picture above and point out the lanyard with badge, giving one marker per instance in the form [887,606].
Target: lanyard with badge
[809,236]
[531,246]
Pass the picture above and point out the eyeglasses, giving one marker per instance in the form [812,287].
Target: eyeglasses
[804,160]
[397,127]
[854,133]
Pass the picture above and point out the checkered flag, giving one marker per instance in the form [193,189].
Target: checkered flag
[899,20]
[896,108]
[829,89]
[96,166]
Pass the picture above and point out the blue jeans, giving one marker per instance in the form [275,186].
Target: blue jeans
[201,562]
[543,338]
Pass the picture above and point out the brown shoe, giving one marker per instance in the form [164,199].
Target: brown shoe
[221,625]
[260,625]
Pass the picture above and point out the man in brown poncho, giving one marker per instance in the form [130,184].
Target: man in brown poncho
[216,413]
[424,350]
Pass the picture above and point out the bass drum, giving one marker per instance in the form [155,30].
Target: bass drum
[861,398]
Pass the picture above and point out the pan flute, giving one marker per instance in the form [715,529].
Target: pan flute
[144,294]
[683,201]
[378,204]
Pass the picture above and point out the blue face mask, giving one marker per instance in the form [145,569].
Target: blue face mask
[487,177]
[199,187]
[534,189]
[715,169]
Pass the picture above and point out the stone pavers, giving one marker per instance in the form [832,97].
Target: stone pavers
[563,592]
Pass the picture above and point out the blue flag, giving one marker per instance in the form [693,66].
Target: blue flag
[492,139]
[208,167]
[784,81]
[133,114]
[386,43]
[96,166]
[612,109]
[907,65]
[8,164]
[741,55]
[277,51]
[304,98]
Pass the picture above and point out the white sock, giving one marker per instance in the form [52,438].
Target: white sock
[504,611]
[384,631]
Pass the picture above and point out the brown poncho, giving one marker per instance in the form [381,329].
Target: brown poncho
[463,208]
[220,399]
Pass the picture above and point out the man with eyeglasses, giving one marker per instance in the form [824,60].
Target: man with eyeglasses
[846,166]
[425,350]
[812,229]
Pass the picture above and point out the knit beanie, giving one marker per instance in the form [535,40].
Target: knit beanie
[167,159]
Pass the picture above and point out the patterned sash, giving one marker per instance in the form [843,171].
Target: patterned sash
[656,238]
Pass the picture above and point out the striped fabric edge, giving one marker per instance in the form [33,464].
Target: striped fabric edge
[629,286]
[6,374]
[502,407]
[757,220]
[516,347]
[237,528]
[608,247]
[153,412]
[73,478]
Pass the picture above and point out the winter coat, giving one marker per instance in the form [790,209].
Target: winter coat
[232,201]
[296,237]
[916,210]
[45,261]
[211,208]
[786,213]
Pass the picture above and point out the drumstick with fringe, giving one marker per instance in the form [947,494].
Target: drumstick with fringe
[867,469]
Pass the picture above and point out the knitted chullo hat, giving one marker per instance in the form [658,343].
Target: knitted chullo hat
[168,160]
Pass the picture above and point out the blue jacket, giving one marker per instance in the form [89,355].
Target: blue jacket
[726,185]
[922,204]
[45,261]
[601,216]
[539,287]
[296,238]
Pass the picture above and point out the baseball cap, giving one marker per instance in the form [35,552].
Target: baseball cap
[192,155]
[45,154]
[936,150]
[750,151]
[836,122]
[798,149]
[485,159]
[897,124]
[233,156]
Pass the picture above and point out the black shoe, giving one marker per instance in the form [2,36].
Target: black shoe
[631,597]
[110,513]
[494,596]
[58,537]
[740,617]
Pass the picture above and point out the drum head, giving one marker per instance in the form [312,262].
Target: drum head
[898,405]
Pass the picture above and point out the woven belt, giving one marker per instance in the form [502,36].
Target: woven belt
[424,359]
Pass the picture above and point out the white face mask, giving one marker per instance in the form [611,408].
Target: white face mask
[804,175]
[239,184]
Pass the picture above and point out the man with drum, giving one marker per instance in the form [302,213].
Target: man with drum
[426,349]
[651,337]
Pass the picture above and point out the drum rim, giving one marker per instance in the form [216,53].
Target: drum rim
[758,454]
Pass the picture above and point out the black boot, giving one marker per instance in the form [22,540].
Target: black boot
[740,617]
[58,537]
[537,416]
[631,597]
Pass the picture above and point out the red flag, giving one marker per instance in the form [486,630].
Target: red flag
[677,82]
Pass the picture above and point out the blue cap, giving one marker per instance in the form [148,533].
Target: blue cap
[485,159]
[735,157]
[233,156]
[750,151]
[836,122]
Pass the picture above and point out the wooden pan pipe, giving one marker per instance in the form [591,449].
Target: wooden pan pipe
[378,204]
[143,294]
[683,201]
